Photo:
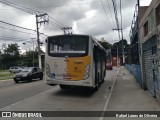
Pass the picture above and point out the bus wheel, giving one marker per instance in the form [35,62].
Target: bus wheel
[93,89]
[64,86]
[96,88]
[103,80]
[97,83]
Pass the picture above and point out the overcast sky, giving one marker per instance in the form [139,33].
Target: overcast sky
[84,16]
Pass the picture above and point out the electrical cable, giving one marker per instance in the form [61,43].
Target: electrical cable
[106,14]
[110,12]
[19,27]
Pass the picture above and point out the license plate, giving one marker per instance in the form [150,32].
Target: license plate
[17,78]
[66,77]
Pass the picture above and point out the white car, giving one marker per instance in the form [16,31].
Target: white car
[15,69]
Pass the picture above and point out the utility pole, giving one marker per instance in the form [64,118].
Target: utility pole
[66,30]
[40,18]
[122,33]
[138,3]
[123,48]
[117,57]
[122,45]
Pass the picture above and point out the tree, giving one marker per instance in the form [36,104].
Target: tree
[105,44]
[119,44]
[30,58]
[10,55]
[126,49]
[12,50]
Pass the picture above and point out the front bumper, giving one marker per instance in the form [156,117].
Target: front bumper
[21,78]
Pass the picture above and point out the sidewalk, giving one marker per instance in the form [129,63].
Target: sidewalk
[128,96]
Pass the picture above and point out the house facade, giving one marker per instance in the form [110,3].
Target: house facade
[145,47]
[149,41]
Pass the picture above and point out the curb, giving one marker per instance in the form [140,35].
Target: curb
[110,94]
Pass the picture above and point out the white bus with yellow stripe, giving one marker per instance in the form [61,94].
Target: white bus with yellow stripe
[74,60]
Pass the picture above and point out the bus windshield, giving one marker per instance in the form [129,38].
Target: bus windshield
[68,45]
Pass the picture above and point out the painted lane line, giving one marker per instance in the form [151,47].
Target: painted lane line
[7,107]
[109,97]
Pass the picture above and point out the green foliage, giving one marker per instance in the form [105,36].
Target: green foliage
[10,56]
[29,57]
[119,44]
[105,44]
[12,50]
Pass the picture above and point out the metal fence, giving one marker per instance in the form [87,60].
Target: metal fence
[136,71]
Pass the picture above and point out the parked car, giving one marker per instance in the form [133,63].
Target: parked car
[109,66]
[28,74]
[14,69]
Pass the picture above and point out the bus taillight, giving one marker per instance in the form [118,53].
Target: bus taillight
[87,72]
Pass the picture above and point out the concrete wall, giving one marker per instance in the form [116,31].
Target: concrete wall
[141,11]
[151,18]
[150,42]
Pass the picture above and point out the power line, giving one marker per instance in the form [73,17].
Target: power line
[106,14]
[71,4]
[16,30]
[116,17]
[22,8]
[67,30]
[121,12]
[110,12]
[61,24]
[54,24]
[122,32]
[12,39]
[19,27]
[31,11]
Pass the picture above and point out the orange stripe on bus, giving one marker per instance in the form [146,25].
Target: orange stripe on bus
[76,67]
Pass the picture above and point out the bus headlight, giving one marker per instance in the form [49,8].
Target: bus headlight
[87,72]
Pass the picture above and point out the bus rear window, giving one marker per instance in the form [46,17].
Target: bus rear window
[68,45]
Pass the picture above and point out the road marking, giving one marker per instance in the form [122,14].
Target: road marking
[7,107]
[5,80]
[109,97]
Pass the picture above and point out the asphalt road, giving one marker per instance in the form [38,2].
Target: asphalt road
[37,96]
[11,93]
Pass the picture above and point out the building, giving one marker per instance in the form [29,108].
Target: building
[149,29]
[145,45]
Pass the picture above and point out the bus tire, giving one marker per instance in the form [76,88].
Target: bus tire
[64,86]
[96,88]
[97,83]
[103,80]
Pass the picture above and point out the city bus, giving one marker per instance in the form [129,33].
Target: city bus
[74,60]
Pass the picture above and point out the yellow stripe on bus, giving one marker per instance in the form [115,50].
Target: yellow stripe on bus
[76,67]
